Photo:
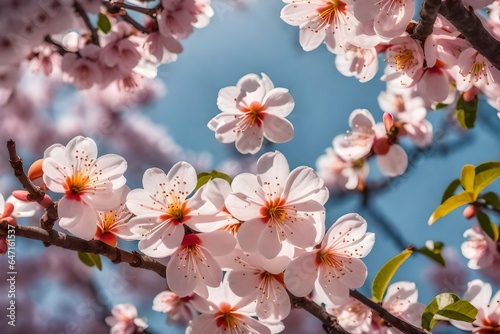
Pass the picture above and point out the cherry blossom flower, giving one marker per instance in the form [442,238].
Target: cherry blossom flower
[335,267]
[278,206]
[125,320]
[162,209]
[178,17]
[161,49]
[82,69]
[192,267]
[488,317]
[260,279]
[480,249]
[113,224]
[358,62]
[252,110]
[179,310]
[87,182]
[340,174]
[406,60]
[392,159]
[11,209]
[475,70]
[223,312]
[330,21]
[357,143]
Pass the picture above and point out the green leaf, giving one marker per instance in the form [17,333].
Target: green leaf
[447,306]
[440,106]
[103,23]
[90,259]
[204,177]
[485,174]
[466,112]
[451,204]
[467,177]
[385,274]
[450,190]
[492,199]
[486,225]
[432,249]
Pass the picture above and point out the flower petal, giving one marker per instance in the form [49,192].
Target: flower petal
[301,274]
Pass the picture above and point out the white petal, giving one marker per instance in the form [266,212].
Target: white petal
[277,129]
[394,162]
[301,274]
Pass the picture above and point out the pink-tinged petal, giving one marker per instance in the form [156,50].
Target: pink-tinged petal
[436,84]
[70,212]
[242,207]
[249,83]
[361,118]
[218,242]
[79,151]
[181,275]
[301,274]
[334,289]
[85,229]
[21,208]
[353,274]
[347,150]
[56,152]
[204,323]
[249,233]
[102,200]
[393,163]
[111,167]
[310,39]
[266,83]
[277,129]
[272,173]
[152,180]
[228,99]
[215,191]
[141,203]
[493,309]
[181,180]
[250,140]
[253,326]
[365,12]
[161,241]
[399,296]
[392,21]
[54,174]
[297,13]
[224,126]
[211,223]
[303,184]
[274,303]
[301,233]
[269,242]
[478,293]
[279,102]
[208,270]
[348,227]
[245,282]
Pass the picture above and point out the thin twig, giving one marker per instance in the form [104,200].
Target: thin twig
[114,9]
[428,15]
[146,11]
[93,31]
[396,322]
[472,29]
[60,49]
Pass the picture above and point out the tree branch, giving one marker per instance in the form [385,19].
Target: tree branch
[60,49]
[116,8]
[93,31]
[146,11]
[428,15]
[472,29]
[398,323]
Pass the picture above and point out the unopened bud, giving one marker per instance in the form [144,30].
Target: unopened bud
[35,171]
[381,146]
[470,94]
[470,211]
[21,195]
[388,121]
[7,210]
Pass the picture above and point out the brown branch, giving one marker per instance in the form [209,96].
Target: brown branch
[330,323]
[472,29]
[93,31]
[428,15]
[398,323]
[62,240]
[60,49]
[121,5]
[116,9]
[35,193]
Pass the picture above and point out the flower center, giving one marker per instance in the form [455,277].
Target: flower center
[274,210]
[329,259]
[75,184]
[177,212]
[477,68]
[403,59]
[108,220]
[328,12]
[252,115]
[226,318]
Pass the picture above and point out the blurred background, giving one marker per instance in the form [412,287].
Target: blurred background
[167,122]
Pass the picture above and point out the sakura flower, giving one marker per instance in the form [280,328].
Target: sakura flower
[260,279]
[11,209]
[125,320]
[87,182]
[357,143]
[162,209]
[278,206]
[82,69]
[335,267]
[340,174]
[401,300]
[122,53]
[356,318]
[192,267]
[391,157]
[178,17]
[179,310]
[488,317]
[406,60]
[480,249]
[475,70]
[223,312]
[112,224]
[252,110]
[358,62]
[330,21]
[161,49]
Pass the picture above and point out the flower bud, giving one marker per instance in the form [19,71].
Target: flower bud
[470,211]
[470,94]
[381,146]
[388,121]
[35,171]
[21,195]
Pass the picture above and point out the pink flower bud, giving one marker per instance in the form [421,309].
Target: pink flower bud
[470,94]
[388,121]
[46,201]
[470,211]
[21,195]
[381,146]
[35,171]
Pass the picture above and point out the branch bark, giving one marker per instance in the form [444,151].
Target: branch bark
[428,15]
[472,29]
[93,31]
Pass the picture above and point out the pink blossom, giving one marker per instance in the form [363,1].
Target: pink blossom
[278,206]
[161,49]
[488,317]
[161,209]
[356,144]
[87,182]
[82,70]
[192,267]
[125,320]
[178,17]
[406,60]
[179,310]
[223,312]
[475,70]
[252,110]
[122,53]
[392,159]
[335,267]
[330,21]
[480,249]
[358,62]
